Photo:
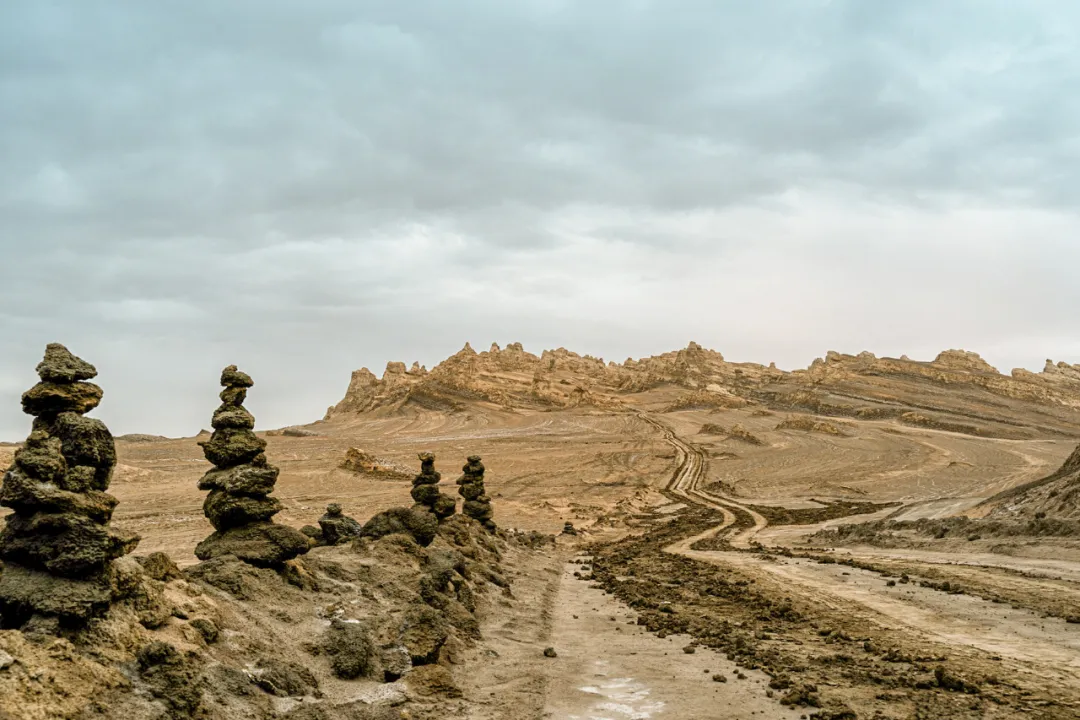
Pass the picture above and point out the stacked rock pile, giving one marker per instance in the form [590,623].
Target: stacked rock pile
[239,506]
[57,546]
[426,492]
[338,527]
[471,487]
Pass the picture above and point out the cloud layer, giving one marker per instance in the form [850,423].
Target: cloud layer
[306,188]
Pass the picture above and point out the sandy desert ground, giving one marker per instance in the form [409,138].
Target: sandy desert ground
[700,583]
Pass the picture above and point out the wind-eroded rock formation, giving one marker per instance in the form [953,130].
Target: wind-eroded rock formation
[471,487]
[239,506]
[862,386]
[57,546]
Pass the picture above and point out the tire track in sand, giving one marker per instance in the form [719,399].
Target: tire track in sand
[1020,635]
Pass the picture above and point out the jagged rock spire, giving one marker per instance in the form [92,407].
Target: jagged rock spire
[57,545]
[239,506]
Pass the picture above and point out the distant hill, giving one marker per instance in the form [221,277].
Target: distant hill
[1056,496]
[958,391]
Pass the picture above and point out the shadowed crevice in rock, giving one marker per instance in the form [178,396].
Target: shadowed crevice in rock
[57,545]
[238,505]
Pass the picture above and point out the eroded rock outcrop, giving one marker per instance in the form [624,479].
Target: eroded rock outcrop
[57,545]
[471,487]
[239,506]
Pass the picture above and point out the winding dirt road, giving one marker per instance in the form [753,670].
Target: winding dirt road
[1050,645]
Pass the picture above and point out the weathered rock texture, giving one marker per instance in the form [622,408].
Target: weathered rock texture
[471,487]
[416,522]
[57,546]
[426,491]
[559,378]
[359,461]
[239,506]
[337,527]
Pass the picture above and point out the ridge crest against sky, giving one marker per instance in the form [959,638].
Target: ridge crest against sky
[307,188]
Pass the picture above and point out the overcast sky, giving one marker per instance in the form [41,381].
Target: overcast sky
[305,188]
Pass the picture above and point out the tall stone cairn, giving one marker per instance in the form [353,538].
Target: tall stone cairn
[471,487]
[239,506]
[426,491]
[57,545]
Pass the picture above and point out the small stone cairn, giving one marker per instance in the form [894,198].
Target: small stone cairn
[337,527]
[57,545]
[238,505]
[471,487]
[426,492]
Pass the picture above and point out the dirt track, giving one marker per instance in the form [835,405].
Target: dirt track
[625,474]
[1049,648]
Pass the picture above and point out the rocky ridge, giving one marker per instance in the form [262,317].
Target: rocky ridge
[556,379]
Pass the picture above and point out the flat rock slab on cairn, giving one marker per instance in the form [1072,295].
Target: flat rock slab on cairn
[238,505]
[426,492]
[471,487]
[57,545]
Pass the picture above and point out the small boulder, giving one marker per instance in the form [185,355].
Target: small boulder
[350,650]
[159,566]
[284,678]
[337,527]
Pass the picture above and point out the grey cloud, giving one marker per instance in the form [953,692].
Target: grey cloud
[314,186]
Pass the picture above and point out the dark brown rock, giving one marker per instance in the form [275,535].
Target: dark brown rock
[264,544]
[416,521]
[424,630]
[173,677]
[50,398]
[232,416]
[350,650]
[225,510]
[478,510]
[25,592]
[64,544]
[250,479]
[238,505]
[337,527]
[284,678]
[233,396]
[41,458]
[471,487]
[159,566]
[60,366]
[232,446]
[28,495]
[231,377]
[425,494]
[207,628]
[444,506]
[426,491]
[86,442]
[57,546]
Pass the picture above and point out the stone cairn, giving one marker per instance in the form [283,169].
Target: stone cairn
[336,527]
[57,545]
[238,505]
[471,487]
[426,492]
